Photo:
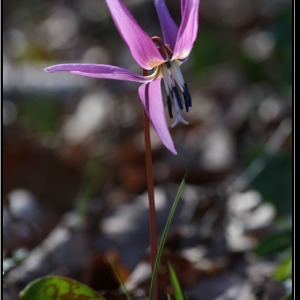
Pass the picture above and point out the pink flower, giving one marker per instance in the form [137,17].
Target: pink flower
[161,58]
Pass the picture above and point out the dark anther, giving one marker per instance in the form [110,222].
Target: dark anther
[169,103]
[187,97]
[175,90]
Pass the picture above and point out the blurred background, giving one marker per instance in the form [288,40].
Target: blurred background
[73,151]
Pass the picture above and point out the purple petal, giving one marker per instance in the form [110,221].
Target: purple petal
[98,71]
[188,29]
[150,94]
[168,26]
[140,44]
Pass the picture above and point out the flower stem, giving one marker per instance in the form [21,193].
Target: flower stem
[149,173]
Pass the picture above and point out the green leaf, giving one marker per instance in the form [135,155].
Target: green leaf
[40,114]
[175,283]
[284,270]
[274,182]
[274,244]
[58,288]
[289,297]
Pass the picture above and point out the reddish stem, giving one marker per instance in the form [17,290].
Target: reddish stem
[149,173]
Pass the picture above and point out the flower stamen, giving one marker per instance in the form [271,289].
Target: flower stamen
[169,104]
[177,96]
[187,98]
[176,88]
[178,116]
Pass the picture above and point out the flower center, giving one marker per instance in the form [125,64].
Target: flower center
[176,89]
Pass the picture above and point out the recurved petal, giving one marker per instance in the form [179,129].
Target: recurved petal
[140,44]
[188,29]
[98,71]
[168,26]
[150,94]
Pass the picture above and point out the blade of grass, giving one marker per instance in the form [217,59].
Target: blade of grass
[113,265]
[175,283]
[165,232]
[91,176]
